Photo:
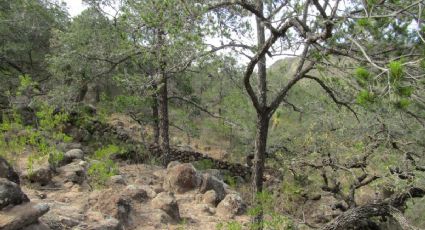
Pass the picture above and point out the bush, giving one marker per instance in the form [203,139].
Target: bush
[102,167]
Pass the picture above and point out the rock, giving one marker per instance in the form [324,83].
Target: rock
[135,193]
[210,198]
[107,224]
[37,226]
[22,216]
[230,206]
[214,172]
[73,172]
[158,188]
[181,178]
[208,209]
[123,211]
[7,171]
[172,164]
[71,155]
[167,203]
[212,183]
[42,175]
[10,194]
[160,216]
[117,179]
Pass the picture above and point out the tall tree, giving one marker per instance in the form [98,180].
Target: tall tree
[26,28]
[310,30]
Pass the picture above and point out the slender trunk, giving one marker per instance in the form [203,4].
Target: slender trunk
[82,92]
[163,101]
[258,165]
[155,116]
[262,74]
[163,119]
[262,126]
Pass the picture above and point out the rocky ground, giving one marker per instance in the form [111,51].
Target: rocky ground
[140,197]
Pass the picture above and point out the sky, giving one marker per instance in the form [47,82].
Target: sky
[75,7]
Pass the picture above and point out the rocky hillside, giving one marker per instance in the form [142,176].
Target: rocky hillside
[140,197]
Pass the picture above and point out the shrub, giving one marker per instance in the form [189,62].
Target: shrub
[102,167]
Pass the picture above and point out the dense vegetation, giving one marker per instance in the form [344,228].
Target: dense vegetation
[340,118]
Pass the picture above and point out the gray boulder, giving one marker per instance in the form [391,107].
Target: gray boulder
[212,183]
[167,203]
[21,216]
[74,172]
[10,194]
[71,155]
[7,171]
[42,175]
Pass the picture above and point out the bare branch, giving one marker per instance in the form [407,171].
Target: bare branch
[332,95]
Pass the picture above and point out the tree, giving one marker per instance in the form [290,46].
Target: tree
[25,30]
[311,31]
[91,37]
[169,32]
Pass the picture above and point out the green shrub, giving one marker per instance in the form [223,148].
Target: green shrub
[102,167]
[203,164]
[40,141]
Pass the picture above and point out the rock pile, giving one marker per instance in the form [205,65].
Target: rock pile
[16,210]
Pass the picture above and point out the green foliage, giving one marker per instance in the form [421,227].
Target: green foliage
[365,97]
[231,225]
[396,70]
[273,219]
[405,91]
[362,76]
[102,167]
[364,22]
[203,164]
[403,103]
[15,138]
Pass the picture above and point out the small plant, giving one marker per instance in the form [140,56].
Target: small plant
[203,164]
[102,167]
[232,225]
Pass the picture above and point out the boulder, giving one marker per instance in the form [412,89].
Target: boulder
[135,193]
[159,216]
[117,179]
[172,164]
[73,172]
[230,206]
[167,203]
[212,183]
[10,194]
[210,198]
[22,216]
[7,171]
[214,172]
[41,175]
[181,178]
[71,155]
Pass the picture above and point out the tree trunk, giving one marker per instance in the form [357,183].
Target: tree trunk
[258,166]
[155,115]
[82,92]
[163,101]
[262,126]
[163,119]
